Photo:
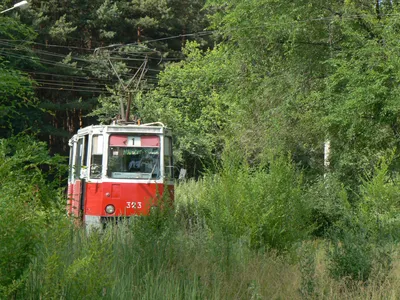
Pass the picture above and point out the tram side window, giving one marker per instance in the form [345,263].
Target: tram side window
[70,169]
[169,168]
[96,163]
[78,158]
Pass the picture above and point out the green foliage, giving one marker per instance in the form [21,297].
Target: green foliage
[225,229]
[361,95]
[307,261]
[283,78]
[70,75]
[379,205]
[143,260]
[266,208]
[363,237]
[61,29]
[18,106]
[329,201]
[351,254]
[16,99]
[69,264]
[188,100]
[25,192]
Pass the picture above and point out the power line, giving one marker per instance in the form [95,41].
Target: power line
[69,76]
[60,64]
[70,82]
[71,89]
[43,52]
[57,63]
[80,77]
[199,34]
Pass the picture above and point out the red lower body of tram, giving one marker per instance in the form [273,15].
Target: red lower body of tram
[90,200]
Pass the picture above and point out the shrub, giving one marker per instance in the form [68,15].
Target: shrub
[329,204]
[69,264]
[266,205]
[379,203]
[25,194]
[350,254]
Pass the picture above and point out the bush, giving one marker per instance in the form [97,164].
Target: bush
[329,204]
[265,205]
[379,203]
[69,264]
[351,254]
[25,195]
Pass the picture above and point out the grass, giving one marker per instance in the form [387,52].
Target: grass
[204,249]
[118,264]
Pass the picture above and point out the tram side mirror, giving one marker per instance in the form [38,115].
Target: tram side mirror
[182,174]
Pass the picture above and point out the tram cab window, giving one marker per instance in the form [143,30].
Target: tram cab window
[134,157]
[80,170]
[97,157]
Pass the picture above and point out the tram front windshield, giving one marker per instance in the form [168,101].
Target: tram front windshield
[134,157]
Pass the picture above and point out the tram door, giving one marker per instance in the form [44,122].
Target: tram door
[76,185]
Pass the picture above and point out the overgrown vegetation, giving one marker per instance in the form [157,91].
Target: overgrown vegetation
[243,233]
[251,104]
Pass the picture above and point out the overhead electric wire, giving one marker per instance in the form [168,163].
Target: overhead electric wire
[59,64]
[73,86]
[94,89]
[73,90]
[200,33]
[70,82]
[70,76]
[78,90]
[79,77]
[73,57]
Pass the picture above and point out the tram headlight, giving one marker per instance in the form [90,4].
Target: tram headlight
[110,209]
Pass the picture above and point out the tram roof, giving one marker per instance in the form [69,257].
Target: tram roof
[151,128]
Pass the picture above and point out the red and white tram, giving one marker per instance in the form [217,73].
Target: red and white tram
[118,170]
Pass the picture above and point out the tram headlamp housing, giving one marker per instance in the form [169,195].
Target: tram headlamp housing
[110,209]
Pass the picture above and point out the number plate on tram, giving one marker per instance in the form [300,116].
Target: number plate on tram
[133,204]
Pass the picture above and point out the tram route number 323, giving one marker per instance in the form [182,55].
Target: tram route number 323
[133,204]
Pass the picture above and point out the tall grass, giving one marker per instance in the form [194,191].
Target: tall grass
[267,208]
[240,234]
[151,258]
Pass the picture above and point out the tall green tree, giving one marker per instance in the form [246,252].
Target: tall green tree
[73,46]
[314,71]
[188,99]
[361,96]
[18,104]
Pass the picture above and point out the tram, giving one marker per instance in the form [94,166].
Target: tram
[118,170]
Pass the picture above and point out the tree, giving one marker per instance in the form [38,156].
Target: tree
[361,96]
[312,71]
[73,75]
[18,106]
[26,197]
[188,99]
